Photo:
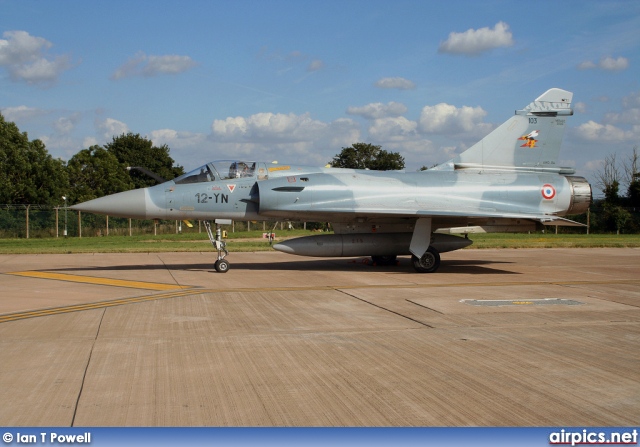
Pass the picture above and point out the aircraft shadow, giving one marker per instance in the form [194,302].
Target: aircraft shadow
[338,265]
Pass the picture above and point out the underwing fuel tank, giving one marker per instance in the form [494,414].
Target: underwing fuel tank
[364,244]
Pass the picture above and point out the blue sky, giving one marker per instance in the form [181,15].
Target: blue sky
[295,81]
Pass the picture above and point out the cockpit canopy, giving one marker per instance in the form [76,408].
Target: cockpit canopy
[223,170]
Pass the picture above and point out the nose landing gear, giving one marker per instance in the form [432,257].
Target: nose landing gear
[220,265]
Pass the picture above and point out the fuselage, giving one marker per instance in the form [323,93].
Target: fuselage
[343,195]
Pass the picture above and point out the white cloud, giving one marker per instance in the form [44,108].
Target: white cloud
[416,152]
[41,71]
[20,47]
[174,138]
[285,137]
[315,65]
[378,110]
[87,142]
[65,124]
[169,64]
[630,113]
[272,127]
[448,119]
[611,64]
[450,152]
[593,131]
[631,101]
[342,132]
[473,42]
[607,63]
[397,82]
[586,65]
[627,116]
[21,113]
[148,66]
[393,129]
[111,127]
[23,55]
[291,138]
[580,107]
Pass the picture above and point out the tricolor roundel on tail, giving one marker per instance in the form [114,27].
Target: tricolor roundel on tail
[548,191]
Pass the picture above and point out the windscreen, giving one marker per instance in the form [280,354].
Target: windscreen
[199,175]
[219,170]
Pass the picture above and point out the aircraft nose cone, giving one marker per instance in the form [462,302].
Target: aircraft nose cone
[123,204]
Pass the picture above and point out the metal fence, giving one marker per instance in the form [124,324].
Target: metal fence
[38,221]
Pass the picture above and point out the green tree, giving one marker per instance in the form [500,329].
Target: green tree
[632,174]
[133,150]
[633,192]
[367,156]
[618,211]
[620,217]
[28,173]
[611,192]
[96,172]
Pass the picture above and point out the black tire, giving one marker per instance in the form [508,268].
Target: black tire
[428,263]
[221,266]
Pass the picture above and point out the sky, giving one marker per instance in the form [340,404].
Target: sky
[296,81]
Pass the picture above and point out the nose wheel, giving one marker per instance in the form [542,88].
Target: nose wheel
[221,265]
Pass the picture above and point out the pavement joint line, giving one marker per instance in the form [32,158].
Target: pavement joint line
[387,310]
[99,281]
[196,291]
[86,368]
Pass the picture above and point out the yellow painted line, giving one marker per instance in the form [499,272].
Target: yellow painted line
[91,306]
[193,291]
[100,281]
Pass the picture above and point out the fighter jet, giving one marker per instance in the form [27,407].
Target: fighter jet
[497,185]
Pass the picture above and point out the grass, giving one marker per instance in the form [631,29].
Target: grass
[253,241]
[189,242]
[539,240]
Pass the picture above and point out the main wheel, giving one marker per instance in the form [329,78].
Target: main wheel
[221,266]
[428,263]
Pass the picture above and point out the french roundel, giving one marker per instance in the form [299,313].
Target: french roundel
[548,191]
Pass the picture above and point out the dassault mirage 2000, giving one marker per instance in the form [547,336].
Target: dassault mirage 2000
[507,182]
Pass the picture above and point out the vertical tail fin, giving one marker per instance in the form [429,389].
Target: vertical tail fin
[530,140]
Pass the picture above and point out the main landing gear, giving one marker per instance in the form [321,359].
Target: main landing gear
[428,263]
[220,265]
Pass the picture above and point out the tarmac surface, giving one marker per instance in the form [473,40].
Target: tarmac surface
[527,337]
